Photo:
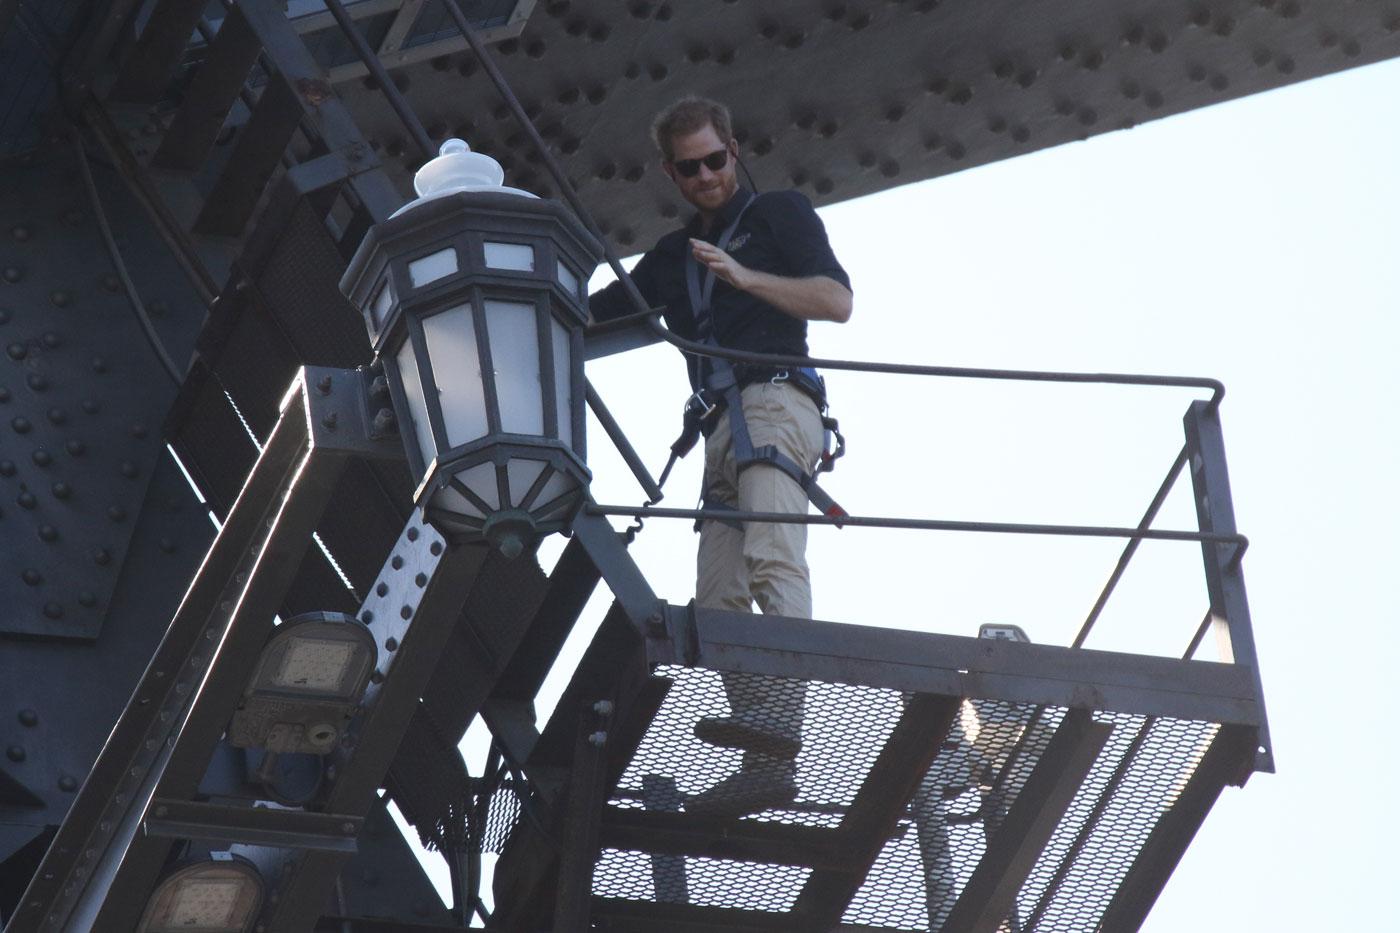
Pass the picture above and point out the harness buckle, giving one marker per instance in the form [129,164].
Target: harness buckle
[698,406]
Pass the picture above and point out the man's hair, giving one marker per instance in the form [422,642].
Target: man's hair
[689,115]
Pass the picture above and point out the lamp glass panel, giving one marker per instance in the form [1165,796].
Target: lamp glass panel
[417,407]
[563,381]
[481,479]
[451,337]
[432,267]
[206,903]
[314,664]
[568,279]
[515,353]
[379,308]
[516,256]
[554,487]
[450,500]
[522,475]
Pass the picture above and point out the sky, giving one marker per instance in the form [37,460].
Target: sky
[1255,242]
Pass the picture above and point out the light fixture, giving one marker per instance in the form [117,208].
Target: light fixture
[220,894]
[306,686]
[475,297]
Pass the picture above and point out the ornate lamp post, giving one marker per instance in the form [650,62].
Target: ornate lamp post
[475,299]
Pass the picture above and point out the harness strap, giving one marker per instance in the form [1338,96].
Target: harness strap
[717,384]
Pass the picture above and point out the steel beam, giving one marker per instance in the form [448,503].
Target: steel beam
[262,826]
[411,611]
[679,834]
[171,719]
[882,799]
[953,665]
[990,894]
[1230,754]
[1210,481]
[587,795]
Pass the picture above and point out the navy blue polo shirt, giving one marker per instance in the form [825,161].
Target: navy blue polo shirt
[780,233]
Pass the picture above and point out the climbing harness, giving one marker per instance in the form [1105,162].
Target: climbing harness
[718,384]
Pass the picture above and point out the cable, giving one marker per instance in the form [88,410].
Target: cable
[137,307]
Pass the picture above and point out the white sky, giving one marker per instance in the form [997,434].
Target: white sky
[1255,242]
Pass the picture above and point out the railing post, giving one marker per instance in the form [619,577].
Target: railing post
[1229,607]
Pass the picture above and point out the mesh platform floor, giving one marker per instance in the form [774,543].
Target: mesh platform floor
[943,831]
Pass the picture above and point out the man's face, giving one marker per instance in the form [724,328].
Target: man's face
[708,190]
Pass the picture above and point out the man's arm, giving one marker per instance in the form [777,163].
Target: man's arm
[812,298]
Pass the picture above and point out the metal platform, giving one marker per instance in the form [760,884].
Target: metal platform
[944,783]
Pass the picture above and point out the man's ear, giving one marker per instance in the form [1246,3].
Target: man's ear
[733,148]
[670,170]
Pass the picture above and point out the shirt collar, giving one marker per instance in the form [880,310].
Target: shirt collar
[736,203]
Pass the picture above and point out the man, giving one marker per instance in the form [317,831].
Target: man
[747,272]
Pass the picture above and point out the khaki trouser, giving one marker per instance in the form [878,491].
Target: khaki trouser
[765,562]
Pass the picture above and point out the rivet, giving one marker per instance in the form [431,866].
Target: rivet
[51,340]
[26,499]
[860,21]
[36,381]
[382,589]
[1285,65]
[90,406]
[889,168]
[21,233]
[435,548]
[1219,82]
[15,753]
[61,298]
[396,562]
[323,385]
[894,113]
[632,71]
[1158,42]
[663,12]
[1026,78]
[31,577]
[1134,34]
[67,783]
[1351,48]
[111,284]
[376,678]
[75,447]
[413,534]
[28,718]
[53,610]
[956,150]
[99,365]
[116,513]
[997,124]
[87,599]
[1153,98]
[960,94]
[17,351]
[166,545]
[139,431]
[7,468]
[57,416]
[367,617]
[4,315]
[13,274]
[1087,116]
[62,490]
[1262,56]
[4,394]
[102,556]
[1093,60]
[1224,26]
[329,420]
[48,533]
[391,643]
[421,579]
[824,185]
[41,457]
[128,469]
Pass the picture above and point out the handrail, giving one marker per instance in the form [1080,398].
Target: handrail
[1216,387]
[920,524]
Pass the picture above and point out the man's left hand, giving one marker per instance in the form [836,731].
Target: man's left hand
[724,266]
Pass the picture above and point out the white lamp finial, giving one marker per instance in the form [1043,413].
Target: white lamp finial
[457,168]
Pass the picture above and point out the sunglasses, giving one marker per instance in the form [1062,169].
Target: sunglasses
[689,168]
